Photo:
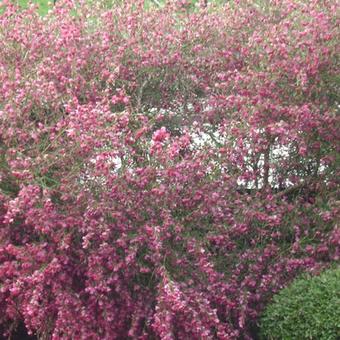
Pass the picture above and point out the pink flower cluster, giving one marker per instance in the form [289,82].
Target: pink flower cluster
[164,171]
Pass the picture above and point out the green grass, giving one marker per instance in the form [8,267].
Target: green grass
[44,5]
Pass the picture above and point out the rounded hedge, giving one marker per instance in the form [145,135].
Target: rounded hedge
[308,309]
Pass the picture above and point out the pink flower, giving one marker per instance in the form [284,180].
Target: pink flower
[160,135]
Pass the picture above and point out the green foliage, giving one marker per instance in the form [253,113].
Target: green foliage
[44,5]
[308,309]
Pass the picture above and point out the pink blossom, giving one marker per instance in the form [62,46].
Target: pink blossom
[160,135]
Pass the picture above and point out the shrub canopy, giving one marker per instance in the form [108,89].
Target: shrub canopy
[164,171]
[307,309]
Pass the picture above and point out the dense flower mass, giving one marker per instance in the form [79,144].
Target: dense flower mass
[164,170]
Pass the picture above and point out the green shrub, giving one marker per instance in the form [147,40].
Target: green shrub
[308,309]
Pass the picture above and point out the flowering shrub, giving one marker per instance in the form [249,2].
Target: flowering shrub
[164,171]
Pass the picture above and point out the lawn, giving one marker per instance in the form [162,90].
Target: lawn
[44,5]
